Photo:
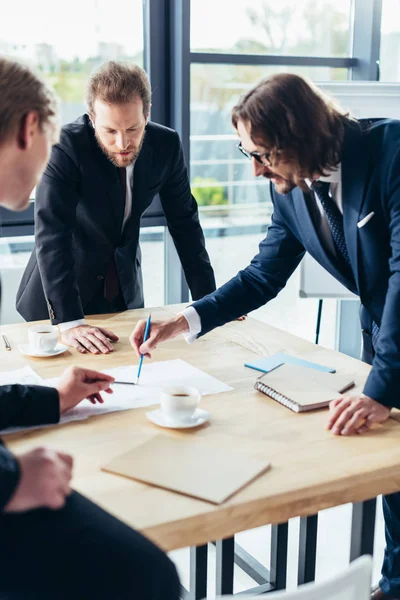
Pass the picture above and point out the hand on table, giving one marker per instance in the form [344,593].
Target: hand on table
[160,331]
[76,384]
[355,414]
[45,477]
[85,338]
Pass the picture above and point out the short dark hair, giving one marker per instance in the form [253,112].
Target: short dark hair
[119,83]
[289,114]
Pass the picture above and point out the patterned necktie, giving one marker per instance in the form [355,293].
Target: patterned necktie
[335,221]
[334,218]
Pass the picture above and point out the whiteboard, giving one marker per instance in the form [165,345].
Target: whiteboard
[363,99]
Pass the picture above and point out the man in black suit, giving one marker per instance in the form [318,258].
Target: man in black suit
[54,543]
[103,174]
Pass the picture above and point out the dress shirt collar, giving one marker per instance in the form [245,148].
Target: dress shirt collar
[332,177]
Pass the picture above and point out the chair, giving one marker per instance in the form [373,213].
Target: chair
[353,584]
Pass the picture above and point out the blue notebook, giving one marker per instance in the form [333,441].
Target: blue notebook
[268,363]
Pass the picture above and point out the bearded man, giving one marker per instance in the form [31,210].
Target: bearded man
[103,174]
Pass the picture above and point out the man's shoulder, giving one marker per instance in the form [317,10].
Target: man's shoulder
[76,133]
[386,129]
[159,133]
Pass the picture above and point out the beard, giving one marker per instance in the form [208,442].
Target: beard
[115,157]
[282,186]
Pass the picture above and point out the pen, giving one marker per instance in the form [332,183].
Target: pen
[6,342]
[146,335]
[124,382]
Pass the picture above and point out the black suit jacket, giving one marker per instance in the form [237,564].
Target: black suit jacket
[22,405]
[78,221]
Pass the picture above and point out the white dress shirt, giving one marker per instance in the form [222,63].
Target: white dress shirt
[127,213]
[324,233]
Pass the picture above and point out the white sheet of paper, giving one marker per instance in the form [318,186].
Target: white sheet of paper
[24,376]
[153,378]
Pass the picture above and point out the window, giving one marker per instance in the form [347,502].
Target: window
[390,41]
[66,47]
[303,28]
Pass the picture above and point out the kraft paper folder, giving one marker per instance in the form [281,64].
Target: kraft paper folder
[209,468]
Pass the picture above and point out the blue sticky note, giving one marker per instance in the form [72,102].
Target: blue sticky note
[267,363]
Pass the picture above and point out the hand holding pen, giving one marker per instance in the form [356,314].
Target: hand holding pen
[161,331]
[145,337]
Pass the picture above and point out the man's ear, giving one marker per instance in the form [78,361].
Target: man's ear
[28,128]
[91,117]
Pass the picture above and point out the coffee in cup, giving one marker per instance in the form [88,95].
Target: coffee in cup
[43,338]
[179,402]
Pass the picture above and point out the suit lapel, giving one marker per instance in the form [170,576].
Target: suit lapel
[114,204]
[354,172]
[141,177]
[311,241]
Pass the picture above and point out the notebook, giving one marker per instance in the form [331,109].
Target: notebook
[210,468]
[266,363]
[302,389]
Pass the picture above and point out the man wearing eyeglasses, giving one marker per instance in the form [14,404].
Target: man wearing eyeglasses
[335,187]
[102,176]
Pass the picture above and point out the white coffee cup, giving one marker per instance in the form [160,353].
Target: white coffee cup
[43,338]
[178,402]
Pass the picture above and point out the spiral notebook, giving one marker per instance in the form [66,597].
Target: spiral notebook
[302,389]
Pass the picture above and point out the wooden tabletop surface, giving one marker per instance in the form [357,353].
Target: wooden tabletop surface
[311,468]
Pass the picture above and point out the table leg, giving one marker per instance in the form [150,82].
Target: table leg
[225,550]
[307,549]
[198,572]
[279,547]
[363,528]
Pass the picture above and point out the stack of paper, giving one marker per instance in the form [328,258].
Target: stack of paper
[154,377]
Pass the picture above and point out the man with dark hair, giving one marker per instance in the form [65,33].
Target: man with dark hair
[54,543]
[103,174]
[336,194]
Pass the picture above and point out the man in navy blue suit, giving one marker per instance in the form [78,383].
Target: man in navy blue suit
[335,187]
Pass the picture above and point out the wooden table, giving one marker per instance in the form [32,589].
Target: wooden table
[311,468]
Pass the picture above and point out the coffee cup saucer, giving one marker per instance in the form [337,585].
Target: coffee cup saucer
[29,351]
[199,417]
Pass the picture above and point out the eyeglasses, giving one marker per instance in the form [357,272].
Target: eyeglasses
[262,158]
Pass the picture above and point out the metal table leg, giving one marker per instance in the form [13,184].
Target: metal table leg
[363,528]
[307,549]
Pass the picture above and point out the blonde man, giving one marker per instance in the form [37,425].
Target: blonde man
[54,543]
[102,176]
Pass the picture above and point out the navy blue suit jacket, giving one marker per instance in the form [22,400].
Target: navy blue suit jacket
[370,183]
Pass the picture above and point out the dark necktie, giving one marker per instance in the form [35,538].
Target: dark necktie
[335,221]
[122,174]
[334,218]
[111,281]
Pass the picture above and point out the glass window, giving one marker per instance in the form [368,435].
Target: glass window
[152,245]
[390,41]
[235,206]
[304,27]
[67,47]
[221,177]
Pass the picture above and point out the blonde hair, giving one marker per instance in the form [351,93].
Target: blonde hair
[118,83]
[23,91]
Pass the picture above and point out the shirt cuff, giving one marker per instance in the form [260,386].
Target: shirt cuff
[70,324]
[192,317]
